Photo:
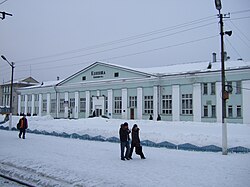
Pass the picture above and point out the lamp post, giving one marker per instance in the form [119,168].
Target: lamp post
[224,95]
[11,89]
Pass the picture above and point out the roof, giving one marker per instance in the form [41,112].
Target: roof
[194,67]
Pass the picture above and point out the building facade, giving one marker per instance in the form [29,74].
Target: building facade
[5,89]
[183,92]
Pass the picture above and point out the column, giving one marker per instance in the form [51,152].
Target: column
[110,103]
[155,102]
[139,103]
[197,102]
[218,102]
[245,102]
[124,103]
[25,104]
[57,104]
[87,103]
[40,104]
[48,104]
[176,102]
[66,107]
[76,104]
[32,104]
[19,105]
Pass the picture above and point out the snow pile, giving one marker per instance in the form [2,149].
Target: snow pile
[196,133]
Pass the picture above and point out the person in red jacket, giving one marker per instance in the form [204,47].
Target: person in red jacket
[23,123]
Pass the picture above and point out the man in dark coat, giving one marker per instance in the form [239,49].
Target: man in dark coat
[23,123]
[124,140]
[136,142]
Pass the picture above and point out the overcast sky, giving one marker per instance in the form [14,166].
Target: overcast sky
[50,38]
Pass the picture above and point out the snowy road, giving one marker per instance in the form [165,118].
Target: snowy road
[48,160]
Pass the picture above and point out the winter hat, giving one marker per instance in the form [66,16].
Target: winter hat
[125,124]
[134,126]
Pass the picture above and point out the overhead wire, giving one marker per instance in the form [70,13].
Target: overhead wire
[123,39]
[3,2]
[133,54]
[123,46]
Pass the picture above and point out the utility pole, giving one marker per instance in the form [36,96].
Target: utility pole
[224,93]
[11,89]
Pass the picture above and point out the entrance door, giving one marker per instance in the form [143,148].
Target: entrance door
[98,112]
[132,113]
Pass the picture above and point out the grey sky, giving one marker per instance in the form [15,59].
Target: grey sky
[74,29]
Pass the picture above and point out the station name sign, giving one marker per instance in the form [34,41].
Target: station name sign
[98,74]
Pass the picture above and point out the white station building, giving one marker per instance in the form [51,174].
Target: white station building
[181,92]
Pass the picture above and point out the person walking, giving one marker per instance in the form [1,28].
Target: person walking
[124,140]
[136,143]
[23,125]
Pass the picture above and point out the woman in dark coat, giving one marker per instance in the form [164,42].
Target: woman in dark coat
[136,142]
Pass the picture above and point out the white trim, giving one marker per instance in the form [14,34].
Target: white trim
[66,107]
[40,104]
[110,103]
[76,104]
[139,103]
[48,104]
[87,104]
[25,104]
[155,102]
[32,104]
[124,103]
[176,102]
[245,102]
[197,108]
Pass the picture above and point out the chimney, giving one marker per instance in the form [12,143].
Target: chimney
[57,78]
[214,57]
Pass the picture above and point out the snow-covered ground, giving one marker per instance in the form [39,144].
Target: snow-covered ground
[197,133]
[49,161]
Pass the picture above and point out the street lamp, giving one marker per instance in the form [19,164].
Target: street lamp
[11,89]
[224,96]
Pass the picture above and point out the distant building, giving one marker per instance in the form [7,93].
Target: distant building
[181,92]
[5,92]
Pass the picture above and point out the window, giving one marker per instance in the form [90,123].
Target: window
[36,110]
[213,111]
[213,88]
[238,87]
[106,104]
[82,104]
[167,104]
[205,111]
[29,110]
[204,88]
[239,111]
[84,78]
[118,105]
[53,106]
[116,74]
[22,97]
[61,105]
[229,87]
[44,105]
[133,101]
[72,102]
[148,104]
[36,97]
[230,111]
[187,104]
[29,97]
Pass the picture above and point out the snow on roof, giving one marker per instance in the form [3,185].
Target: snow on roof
[44,84]
[194,67]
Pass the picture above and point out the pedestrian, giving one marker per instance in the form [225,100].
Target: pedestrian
[23,125]
[150,117]
[136,143]
[158,117]
[124,140]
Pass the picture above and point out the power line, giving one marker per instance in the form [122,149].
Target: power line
[3,2]
[123,46]
[124,39]
[132,54]
[240,11]
[239,30]
[233,48]
[246,17]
